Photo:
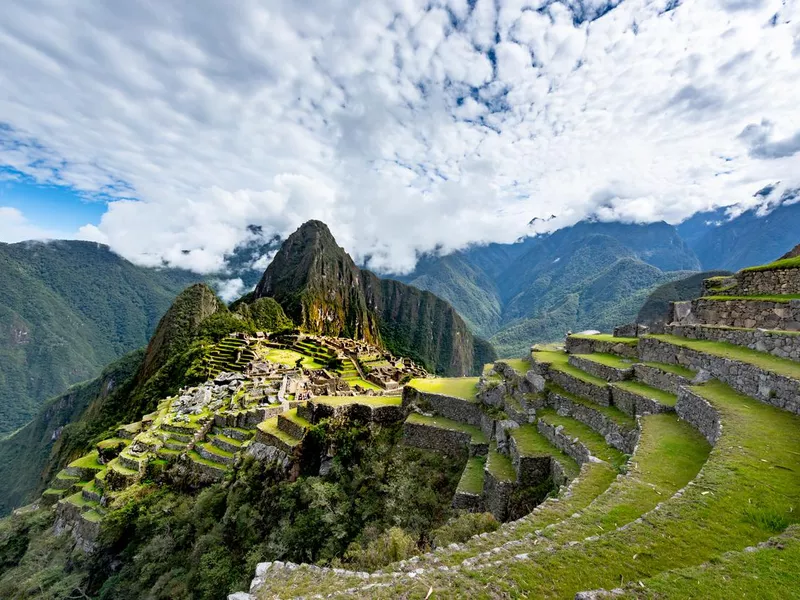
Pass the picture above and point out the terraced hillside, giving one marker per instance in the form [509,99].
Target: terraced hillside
[666,465]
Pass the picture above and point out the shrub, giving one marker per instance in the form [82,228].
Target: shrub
[462,527]
[391,546]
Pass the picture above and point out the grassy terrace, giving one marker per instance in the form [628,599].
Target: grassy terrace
[609,360]
[209,447]
[764,297]
[499,465]
[612,412]
[477,435]
[768,362]
[366,400]
[558,361]
[270,426]
[607,337]
[674,369]
[532,443]
[458,387]
[747,491]
[595,442]
[786,263]
[520,365]
[195,457]
[289,358]
[119,468]
[640,389]
[292,416]
[90,461]
[471,481]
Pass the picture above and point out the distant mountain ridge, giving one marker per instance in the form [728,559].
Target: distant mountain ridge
[323,291]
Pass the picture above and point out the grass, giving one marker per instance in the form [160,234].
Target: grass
[90,461]
[195,457]
[457,387]
[472,478]
[291,415]
[365,400]
[786,263]
[78,500]
[646,391]
[209,447]
[112,443]
[477,435]
[558,361]
[520,365]
[607,337]
[119,468]
[768,362]
[499,465]
[289,358]
[751,471]
[609,360]
[532,443]
[595,442]
[612,412]
[763,297]
[270,427]
[673,369]
[92,516]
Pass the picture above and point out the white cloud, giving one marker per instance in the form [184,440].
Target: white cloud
[230,289]
[405,125]
[14,227]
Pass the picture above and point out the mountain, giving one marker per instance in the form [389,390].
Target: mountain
[323,291]
[656,308]
[589,275]
[67,309]
[749,239]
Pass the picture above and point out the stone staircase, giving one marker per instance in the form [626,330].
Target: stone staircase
[687,448]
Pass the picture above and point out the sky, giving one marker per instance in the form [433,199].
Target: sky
[166,129]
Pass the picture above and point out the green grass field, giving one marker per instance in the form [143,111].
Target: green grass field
[458,387]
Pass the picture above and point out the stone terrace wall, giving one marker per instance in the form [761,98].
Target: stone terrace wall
[623,440]
[496,495]
[571,447]
[657,378]
[599,394]
[449,407]
[600,370]
[785,345]
[531,470]
[634,404]
[738,313]
[452,443]
[697,411]
[588,345]
[745,378]
[778,281]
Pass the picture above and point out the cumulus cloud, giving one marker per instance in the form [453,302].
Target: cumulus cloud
[406,125]
[15,227]
[230,289]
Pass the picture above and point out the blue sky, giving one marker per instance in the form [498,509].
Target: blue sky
[406,125]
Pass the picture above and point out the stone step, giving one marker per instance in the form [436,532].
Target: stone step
[760,375]
[784,344]
[293,424]
[601,343]
[211,453]
[619,429]
[666,377]
[225,443]
[607,367]
[119,476]
[636,398]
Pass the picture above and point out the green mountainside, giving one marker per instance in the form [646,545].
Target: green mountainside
[324,292]
[656,307]
[592,275]
[67,309]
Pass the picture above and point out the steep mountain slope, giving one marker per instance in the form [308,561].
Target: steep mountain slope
[67,309]
[323,291]
[590,275]
[749,239]
[124,391]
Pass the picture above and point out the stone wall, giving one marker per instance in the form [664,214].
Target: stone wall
[623,440]
[588,345]
[763,314]
[657,378]
[745,378]
[571,447]
[634,404]
[496,495]
[599,394]
[600,370]
[778,281]
[531,470]
[697,411]
[785,345]
[467,501]
[446,441]
[449,407]
[69,520]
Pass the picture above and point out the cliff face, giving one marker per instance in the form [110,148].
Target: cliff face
[324,292]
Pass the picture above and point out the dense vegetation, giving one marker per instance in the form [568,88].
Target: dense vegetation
[380,502]
[68,309]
